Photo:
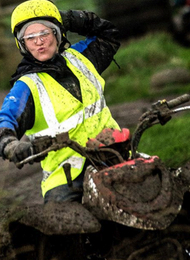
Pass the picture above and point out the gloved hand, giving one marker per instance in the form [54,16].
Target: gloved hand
[16,151]
[78,21]
[65,15]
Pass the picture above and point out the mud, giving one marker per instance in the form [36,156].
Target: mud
[20,189]
[141,195]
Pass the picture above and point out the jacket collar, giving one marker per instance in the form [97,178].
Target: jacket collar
[30,65]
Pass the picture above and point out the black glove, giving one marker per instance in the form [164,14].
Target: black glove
[78,21]
[15,150]
[65,15]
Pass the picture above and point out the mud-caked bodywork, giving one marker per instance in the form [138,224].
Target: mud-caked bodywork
[140,193]
[133,207]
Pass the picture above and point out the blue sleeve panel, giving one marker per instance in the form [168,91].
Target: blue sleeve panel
[14,105]
[83,45]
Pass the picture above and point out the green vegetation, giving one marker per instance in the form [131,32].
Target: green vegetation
[78,4]
[139,60]
[170,142]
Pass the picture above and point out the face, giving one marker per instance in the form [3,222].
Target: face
[40,41]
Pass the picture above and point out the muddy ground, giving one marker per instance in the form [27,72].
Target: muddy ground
[23,186]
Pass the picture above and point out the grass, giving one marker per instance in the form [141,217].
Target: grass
[170,142]
[139,60]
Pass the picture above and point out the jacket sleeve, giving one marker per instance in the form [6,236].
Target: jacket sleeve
[17,111]
[101,43]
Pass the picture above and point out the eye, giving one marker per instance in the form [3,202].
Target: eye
[30,38]
[45,33]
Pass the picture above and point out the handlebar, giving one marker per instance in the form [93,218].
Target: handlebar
[44,146]
[160,113]
[178,101]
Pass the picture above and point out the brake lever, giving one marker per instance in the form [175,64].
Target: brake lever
[46,144]
[31,158]
[62,140]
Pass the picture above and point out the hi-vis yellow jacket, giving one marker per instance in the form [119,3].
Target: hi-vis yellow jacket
[57,111]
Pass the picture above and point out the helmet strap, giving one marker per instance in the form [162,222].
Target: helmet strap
[65,44]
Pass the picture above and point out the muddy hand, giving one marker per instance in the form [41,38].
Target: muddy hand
[17,150]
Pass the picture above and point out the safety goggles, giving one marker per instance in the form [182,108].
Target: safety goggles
[42,35]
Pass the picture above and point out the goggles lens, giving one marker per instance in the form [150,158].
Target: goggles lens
[43,35]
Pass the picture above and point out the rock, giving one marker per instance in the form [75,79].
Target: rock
[170,76]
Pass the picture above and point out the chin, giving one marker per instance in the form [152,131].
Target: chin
[42,58]
[45,57]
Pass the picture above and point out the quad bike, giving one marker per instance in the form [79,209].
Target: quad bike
[133,206]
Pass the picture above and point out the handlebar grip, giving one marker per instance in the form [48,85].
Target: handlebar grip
[178,101]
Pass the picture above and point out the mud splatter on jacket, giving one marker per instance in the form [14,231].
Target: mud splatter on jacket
[100,45]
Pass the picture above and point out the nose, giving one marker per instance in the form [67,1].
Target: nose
[38,40]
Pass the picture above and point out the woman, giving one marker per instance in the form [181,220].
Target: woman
[57,88]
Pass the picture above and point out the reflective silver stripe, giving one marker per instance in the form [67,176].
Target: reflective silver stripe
[94,108]
[46,175]
[73,121]
[75,162]
[54,127]
[81,66]
[65,126]
[45,101]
